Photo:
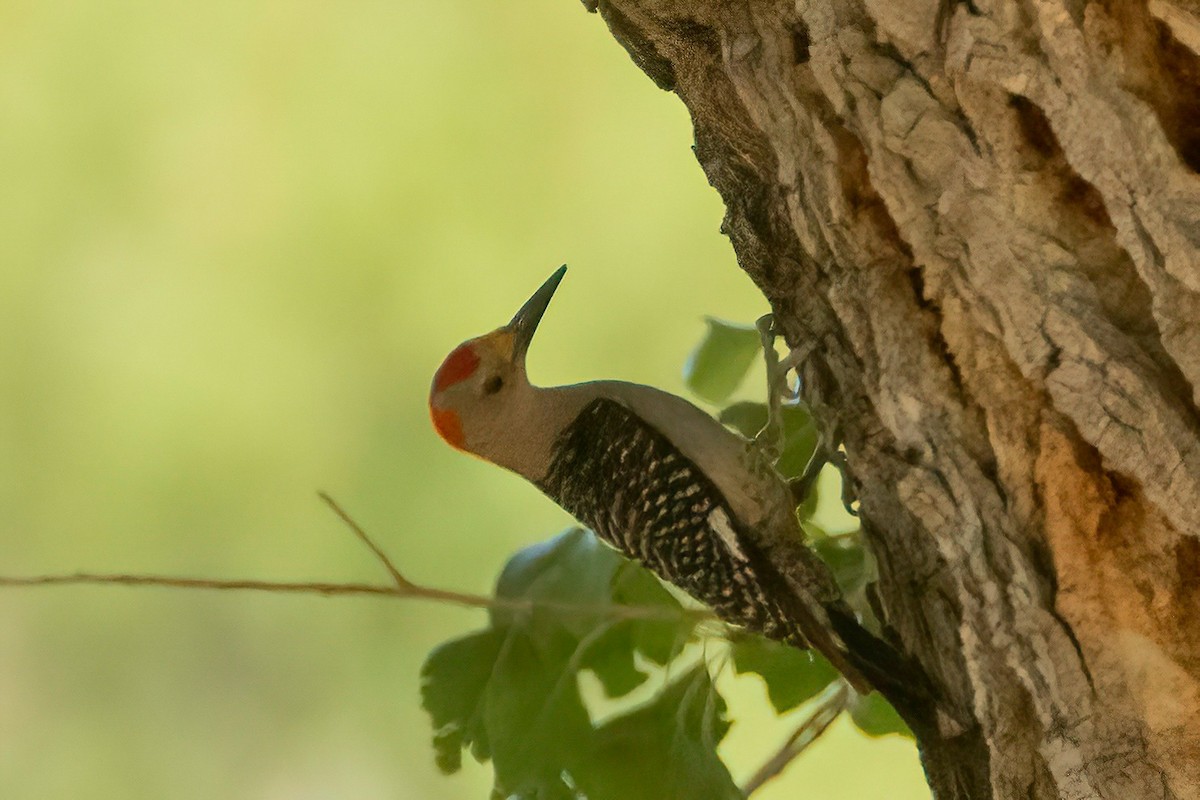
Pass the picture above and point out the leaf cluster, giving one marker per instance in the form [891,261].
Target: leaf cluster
[511,692]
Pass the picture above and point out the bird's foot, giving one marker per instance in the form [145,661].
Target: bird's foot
[770,439]
[780,389]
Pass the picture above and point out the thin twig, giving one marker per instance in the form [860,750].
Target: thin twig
[411,591]
[403,587]
[401,581]
[93,579]
[809,731]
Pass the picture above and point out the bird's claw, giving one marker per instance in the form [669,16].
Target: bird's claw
[770,439]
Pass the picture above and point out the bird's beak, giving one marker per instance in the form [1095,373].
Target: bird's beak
[525,323]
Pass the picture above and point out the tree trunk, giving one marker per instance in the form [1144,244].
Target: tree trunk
[985,217]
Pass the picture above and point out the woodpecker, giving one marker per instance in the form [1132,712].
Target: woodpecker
[656,478]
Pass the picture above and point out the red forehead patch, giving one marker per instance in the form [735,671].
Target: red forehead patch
[458,366]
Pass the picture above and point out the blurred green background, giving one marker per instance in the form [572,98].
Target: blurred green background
[236,239]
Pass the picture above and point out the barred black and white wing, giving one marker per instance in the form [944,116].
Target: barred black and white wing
[625,480]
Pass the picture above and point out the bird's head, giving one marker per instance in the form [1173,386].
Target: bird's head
[478,391]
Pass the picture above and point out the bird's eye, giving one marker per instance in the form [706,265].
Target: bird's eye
[493,384]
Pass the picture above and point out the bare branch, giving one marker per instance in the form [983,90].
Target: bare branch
[100,579]
[401,581]
[403,587]
[809,731]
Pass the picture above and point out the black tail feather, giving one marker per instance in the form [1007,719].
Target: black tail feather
[897,676]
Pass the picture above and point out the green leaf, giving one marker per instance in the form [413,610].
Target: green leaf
[800,436]
[792,675]
[746,417]
[664,750]
[574,580]
[611,661]
[719,363]
[875,716]
[660,640]
[453,681]
[510,692]
[845,556]
[498,695]
[536,721]
[573,569]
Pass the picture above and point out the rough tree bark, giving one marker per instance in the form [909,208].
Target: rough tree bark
[986,217]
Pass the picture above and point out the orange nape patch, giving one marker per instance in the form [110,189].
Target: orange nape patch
[458,366]
[449,427]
